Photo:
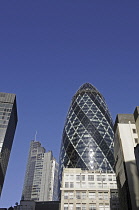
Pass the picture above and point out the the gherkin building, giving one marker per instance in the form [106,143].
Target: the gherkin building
[87,141]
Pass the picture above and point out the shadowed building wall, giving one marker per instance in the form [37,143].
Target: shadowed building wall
[8,122]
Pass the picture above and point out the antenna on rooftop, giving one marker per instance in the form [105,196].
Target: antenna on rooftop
[35,135]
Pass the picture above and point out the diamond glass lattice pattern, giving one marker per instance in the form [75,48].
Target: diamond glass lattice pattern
[88,132]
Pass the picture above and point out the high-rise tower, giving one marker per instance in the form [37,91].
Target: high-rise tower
[41,179]
[8,121]
[87,141]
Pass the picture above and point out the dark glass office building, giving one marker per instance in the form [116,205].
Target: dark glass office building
[8,121]
[87,141]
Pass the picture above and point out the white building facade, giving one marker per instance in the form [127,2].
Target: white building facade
[125,143]
[88,190]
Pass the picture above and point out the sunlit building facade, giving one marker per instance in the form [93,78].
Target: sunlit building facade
[41,178]
[8,122]
[126,153]
[87,141]
[88,190]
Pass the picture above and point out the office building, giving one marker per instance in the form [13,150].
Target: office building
[8,122]
[87,141]
[26,205]
[41,178]
[87,145]
[88,190]
[126,153]
[32,205]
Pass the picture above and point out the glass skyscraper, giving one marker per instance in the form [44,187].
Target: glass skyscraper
[41,179]
[87,141]
[8,121]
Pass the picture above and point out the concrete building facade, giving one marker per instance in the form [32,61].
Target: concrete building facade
[88,190]
[126,159]
[8,122]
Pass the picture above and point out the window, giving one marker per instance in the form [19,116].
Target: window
[107,207]
[92,195]
[78,195]
[83,177]
[92,207]
[71,184]
[77,184]
[66,206]
[91,184]
[101,206]
[106,196]
[83,184]
[134,130]
[110,177]
[104,185]
[90,177]
[71,206]
[114,195]
[78,206]
[136,140]
[83,206]
[83,195]
[112,185]
[100,195]
[66,184]
[99,178]
[78,177]
[70,195]
[66,176]
[114,178]
[99,185]
[65,195]
[103,177]
[71,177]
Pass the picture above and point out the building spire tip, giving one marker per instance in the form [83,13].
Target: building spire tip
[35,135]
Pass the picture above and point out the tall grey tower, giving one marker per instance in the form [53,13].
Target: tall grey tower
[41,179]
[8,121]
[87,141]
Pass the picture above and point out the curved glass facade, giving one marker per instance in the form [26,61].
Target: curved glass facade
[87,141]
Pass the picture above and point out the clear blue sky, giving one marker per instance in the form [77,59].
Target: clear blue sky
[48,49]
